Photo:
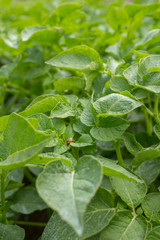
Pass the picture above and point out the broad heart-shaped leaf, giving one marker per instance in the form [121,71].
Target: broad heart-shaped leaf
[26,201]
[119,84]
[20,143]
[125,226]
[149,170]
[14,232]
[132,193]
[41,34]
[44,122]
[131,144]
[97,216]
[42,104]
[115,104]
[150,37]
[151,82]
[148,65]
[77,58]
[70,83]
[69,192]
[109,128]
[79,127]
[154,234]
[151,206]
[84,141]
[28,32]
[110,168]
[66,9]
[87,115]
[62,110]
[131,73]
[146,154]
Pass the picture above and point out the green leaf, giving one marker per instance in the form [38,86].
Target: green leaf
[150,37]
[146,154]
[140,93]
[115,104]
[131,73]
[99,213]
[97,216]
[87,115]
[61,147]
[76,188]
[71,83]
[47,157]
[35,55]
[125,226]
[27,201]
[111,168]
[117,17]
[148,65]
[151,82]
[132,193]
[3,122]
[45,123]
[6,70]
[151,206]
[157,130]
[13,232]
[131,144]
[119,84]
[66,9]
[27,143]
[62,110]
[28,32]
[84,141]
[42,104]
[154,234]
[109,128]
[59,126]
[149,170]
[113,64]
[77,58]
[142,9]
[41,34]
[79,127]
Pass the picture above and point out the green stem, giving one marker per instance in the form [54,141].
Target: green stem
[3,204]
[36,224]
[29,176]
[34,165]
[150,107]
[118,152]
[148,122]
[156,111]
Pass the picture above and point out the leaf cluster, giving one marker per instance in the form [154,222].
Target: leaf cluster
[88,71]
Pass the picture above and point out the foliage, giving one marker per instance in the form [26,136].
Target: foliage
[87,71]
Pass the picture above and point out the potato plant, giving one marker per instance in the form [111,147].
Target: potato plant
[79,120]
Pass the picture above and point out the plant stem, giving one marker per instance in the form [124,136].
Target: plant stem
[148,122]
[118,152]
[3,205]
[150,107]
[36,224]
[29,176]
[156,112]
